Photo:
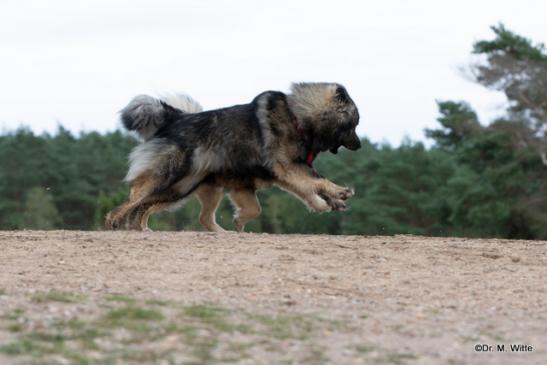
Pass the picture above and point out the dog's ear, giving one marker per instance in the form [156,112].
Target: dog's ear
[342,95]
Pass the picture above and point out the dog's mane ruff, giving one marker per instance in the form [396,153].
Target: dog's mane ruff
[311,98]
[182,102]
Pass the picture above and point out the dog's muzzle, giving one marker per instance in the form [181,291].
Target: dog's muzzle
[352,143]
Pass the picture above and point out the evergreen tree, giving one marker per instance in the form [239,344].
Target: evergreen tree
[39,211]
[518,67]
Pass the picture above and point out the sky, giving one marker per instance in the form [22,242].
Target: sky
[77,63]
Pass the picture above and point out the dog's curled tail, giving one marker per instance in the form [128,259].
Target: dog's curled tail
[145,114]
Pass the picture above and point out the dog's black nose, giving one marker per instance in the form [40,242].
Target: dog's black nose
[353,144]
[354,147]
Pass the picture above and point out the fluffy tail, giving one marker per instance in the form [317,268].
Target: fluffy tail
[145,114]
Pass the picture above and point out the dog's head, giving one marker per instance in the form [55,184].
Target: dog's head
[328,114]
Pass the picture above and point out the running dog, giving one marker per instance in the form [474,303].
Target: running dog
[271,141]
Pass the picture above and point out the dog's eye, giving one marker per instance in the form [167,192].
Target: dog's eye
[343,116]
[343,112]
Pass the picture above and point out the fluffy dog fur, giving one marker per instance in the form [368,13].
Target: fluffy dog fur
[270,141]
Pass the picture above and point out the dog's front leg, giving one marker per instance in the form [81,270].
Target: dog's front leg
[317,192]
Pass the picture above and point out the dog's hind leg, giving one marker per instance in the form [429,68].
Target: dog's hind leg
[141,188]
[138,217]
[134,217]
[246,206]
[209,197]
[157,202]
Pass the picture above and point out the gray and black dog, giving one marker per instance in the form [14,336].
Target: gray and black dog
[271,141]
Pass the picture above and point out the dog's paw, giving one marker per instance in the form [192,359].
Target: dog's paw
[110,223]
[337,205]
[344,193]
[334,202]
[319,203]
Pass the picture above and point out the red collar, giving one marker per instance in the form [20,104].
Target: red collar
[309,158]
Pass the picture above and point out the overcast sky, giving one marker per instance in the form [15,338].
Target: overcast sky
[78,62]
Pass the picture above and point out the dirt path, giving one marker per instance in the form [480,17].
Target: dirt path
[272,298]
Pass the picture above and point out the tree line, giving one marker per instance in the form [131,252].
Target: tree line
[475,180]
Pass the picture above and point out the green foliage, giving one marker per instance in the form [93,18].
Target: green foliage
[73,171]
[108,201]
[39,210]
[459,122]
[516,66]
[397,190]
[55,296]
[472,182]
[499,187]
[510,43]
[133,314]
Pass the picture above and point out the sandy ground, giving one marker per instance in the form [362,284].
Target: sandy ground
[399,300]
